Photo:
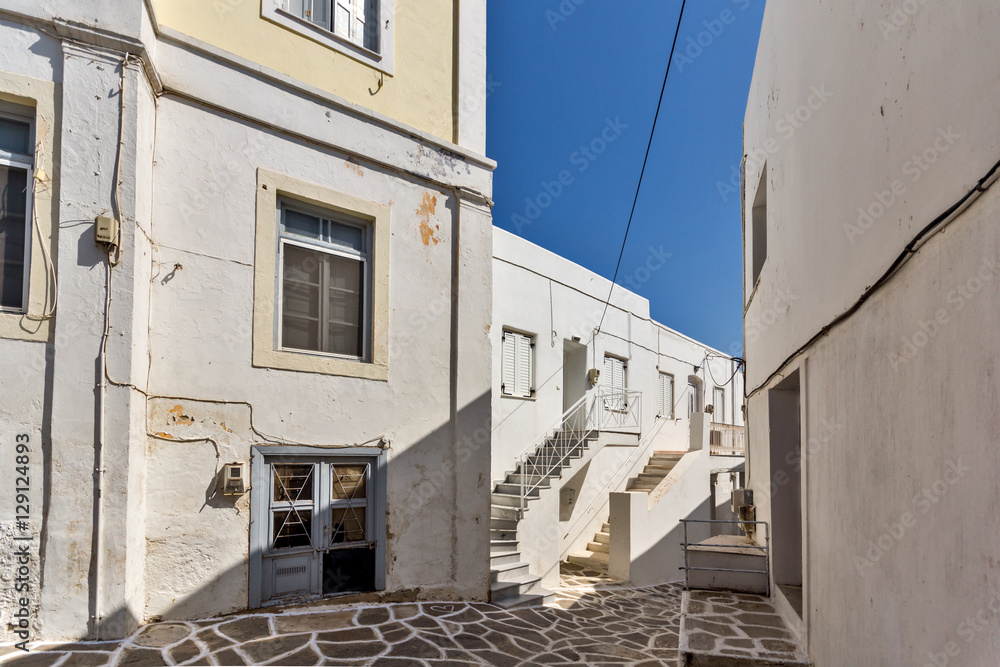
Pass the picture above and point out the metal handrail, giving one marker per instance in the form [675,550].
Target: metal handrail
[567,436]
[766,548]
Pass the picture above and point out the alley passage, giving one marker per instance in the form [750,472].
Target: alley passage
[595,621]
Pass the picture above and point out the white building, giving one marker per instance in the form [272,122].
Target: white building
[872,138]
[548,342]
[291,192]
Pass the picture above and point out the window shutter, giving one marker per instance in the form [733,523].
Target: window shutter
[666,396]
[524,366]
[619,374]
[509,364]
[720,405]
[613,376]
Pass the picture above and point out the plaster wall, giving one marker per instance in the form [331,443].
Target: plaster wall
[899,400]
[201,321]
[420,92]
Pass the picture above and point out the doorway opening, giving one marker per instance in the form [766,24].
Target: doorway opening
[317,523]
[785,422]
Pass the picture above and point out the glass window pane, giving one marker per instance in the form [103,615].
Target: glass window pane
[348,236]
[302,224]
[300,305]
[345,339]
[13,198]
[348,525]
[293,483]
[15,136]
[349,482]
[292,528]
[345,306]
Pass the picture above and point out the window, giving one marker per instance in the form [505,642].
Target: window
[16,167]
[694,402]
[666,396]
[719,416]
[613,381]
[360,29]
[345,18]
[759,240]
[323,292]
[517,365]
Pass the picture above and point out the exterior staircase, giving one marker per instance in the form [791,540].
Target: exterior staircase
[511,584]
[597,555]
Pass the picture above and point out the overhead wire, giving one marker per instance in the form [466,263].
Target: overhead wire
[649,145]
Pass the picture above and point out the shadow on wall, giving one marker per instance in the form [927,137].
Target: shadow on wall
[436,532]
[662,562]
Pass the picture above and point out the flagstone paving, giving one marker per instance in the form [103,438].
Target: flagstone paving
[594,621]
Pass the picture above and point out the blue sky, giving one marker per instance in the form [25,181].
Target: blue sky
[575,85]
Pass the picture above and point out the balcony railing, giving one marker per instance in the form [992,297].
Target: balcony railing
[728,440]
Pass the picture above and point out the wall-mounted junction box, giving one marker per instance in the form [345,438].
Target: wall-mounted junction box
[234,481]
[105,229]
[593,376]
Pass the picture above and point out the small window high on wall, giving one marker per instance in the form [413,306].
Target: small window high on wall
[349,19]
[759,229]
[517,365]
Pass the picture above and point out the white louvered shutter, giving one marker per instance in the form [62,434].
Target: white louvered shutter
[349,20]
[524,366]
[666,396]
[720,406]
[509,364]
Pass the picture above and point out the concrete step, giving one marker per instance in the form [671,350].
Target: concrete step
[502,546]
[641,486]
[652,476]
[503,524]
[505,571]
[598,547]
[504,512]
[514,490]
[507,500]
[606,527]
[603,538]
[676,455]
[540,598]
[657,470]
[521,584]
[503,535]
[543,481]
[498,558]
[593,561]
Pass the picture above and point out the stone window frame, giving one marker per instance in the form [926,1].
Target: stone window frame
[38,96]
[272,188]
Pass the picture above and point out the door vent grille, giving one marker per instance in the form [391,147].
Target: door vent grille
[289,571]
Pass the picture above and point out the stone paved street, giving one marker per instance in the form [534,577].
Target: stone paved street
[596,621]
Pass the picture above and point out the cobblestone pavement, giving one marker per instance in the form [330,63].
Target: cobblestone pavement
[595,621]
[738,625]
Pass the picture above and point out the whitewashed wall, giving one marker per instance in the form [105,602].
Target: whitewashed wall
[899,401]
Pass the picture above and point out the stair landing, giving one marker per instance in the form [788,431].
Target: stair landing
[723,629]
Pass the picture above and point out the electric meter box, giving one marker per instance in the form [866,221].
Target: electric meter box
[234,479]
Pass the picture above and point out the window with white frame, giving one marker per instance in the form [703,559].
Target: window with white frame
[719,416]
[517,365]
[613,381]
[354,20]
[666,396]
[323,295]
[16,168]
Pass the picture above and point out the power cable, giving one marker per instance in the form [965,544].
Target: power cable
[649,145]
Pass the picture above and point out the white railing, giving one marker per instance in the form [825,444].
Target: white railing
[728,440]
[601,409]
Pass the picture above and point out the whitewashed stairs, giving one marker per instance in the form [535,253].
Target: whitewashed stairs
[512,585]
[598,552]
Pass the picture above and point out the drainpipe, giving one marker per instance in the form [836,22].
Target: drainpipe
[102,391]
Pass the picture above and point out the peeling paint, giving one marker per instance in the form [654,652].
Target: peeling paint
[355,167]
[426,210]
[179,417]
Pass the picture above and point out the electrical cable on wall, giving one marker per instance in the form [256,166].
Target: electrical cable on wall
[645,160]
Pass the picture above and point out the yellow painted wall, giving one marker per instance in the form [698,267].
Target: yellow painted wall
[419,93]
